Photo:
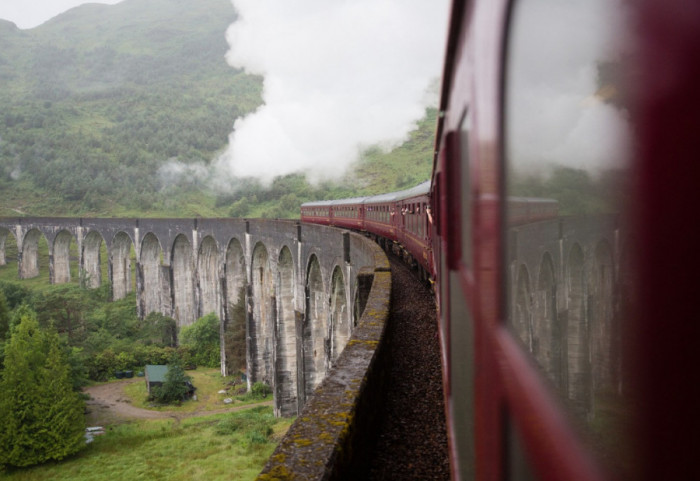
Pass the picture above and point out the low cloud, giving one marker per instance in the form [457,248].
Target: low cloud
[174,172]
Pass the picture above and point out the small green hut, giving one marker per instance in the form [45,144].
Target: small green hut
[155,375]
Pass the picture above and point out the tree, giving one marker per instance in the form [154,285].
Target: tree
[234,335]
[41,417]
[160,329]
[4,318]
[204,339]
[65,304]
[175,388]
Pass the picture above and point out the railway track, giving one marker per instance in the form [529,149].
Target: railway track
[412,435]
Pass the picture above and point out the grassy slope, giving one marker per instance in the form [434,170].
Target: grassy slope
[167,450]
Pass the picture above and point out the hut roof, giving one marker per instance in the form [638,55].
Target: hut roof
[156,372]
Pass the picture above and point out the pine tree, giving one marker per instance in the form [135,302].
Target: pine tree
[40,415]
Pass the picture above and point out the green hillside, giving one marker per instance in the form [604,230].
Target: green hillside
[95,101]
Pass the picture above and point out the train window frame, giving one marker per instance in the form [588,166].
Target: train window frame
[466,238]
[529,380]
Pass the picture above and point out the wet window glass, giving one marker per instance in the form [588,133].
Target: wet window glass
[566,135]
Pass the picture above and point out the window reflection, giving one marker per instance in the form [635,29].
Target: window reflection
[566,137]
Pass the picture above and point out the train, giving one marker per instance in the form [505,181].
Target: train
[403,221]
[528,81]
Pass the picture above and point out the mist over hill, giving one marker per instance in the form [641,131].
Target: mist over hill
[116,109]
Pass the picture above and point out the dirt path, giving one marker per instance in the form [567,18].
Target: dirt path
[108,405]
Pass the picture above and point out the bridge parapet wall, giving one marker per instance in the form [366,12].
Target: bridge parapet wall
[329,438]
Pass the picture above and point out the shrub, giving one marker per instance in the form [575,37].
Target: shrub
[202,338]
[259,390]
[101,367]
[125,361]
[255,424]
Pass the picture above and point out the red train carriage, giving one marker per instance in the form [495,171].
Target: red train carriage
[567,343]
[563,357]
[348,213]
[414,231]
[317,212]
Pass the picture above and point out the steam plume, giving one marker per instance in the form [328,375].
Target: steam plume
[339,76]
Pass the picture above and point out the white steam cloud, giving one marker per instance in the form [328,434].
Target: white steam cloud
[556,113]
[339,76]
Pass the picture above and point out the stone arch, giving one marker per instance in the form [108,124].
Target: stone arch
[120,262]
[522,308]
[363,286]
[92,268]
[600,288]
[578,366]
[357,307]
[29,260]
[262,326]
[61,257]
[315,329]
[233,346]
[6,234]
[151,275]
[183,281]
[208,277]
[286,358]
[547,340]
[340,325]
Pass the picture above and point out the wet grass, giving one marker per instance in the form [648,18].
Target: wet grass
[208,382]
[196,448]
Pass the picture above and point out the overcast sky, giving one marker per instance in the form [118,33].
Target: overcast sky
[30,13]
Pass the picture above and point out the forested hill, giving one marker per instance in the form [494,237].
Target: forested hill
[96,100]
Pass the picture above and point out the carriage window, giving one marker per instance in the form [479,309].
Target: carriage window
[464,129]
[565,144]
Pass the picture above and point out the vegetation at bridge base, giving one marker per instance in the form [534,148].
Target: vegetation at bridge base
[257,424]
[41,416]
[175,388]
[203,339]
[100,337]
[234,336]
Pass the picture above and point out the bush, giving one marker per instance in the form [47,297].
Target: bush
[260,390]
[101,367]
[256,425]
[15,294]
[202,338]
[126,361]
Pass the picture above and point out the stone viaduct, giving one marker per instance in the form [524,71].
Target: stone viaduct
[295,291]
[304,293]
[566,279]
